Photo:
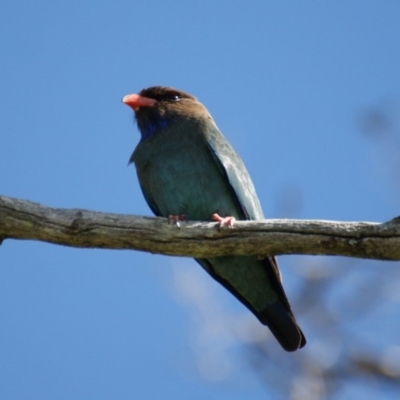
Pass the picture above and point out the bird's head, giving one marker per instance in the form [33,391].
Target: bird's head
[157,107]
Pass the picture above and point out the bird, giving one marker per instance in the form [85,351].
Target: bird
[187,170]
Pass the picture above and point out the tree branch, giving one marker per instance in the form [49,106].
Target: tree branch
[21,219]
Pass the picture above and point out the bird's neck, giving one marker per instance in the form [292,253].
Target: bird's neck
[151,126]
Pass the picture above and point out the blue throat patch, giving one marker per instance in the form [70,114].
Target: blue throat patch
[150,126]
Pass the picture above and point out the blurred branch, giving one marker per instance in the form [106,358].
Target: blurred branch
[373,367]
[21,219]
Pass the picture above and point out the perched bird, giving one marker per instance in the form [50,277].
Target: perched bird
[188,169]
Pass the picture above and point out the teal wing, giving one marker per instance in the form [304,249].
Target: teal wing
[231,165]
[256,283]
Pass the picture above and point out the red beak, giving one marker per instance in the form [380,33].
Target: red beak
[136,101]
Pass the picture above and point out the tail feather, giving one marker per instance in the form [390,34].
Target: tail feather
[283,326]
[278,315]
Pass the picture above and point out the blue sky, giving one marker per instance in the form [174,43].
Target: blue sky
[286,83]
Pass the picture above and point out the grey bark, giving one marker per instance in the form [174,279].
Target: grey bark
[21,219]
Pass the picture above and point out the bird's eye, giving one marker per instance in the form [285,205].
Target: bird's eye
[173,96]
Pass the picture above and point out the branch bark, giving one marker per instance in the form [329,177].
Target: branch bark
[21,219]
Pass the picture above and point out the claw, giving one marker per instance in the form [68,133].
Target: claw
[175,219]
[224,221]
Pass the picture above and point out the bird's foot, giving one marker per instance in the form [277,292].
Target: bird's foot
[224,221]
[175,219]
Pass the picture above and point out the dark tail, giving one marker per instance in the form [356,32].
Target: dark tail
[282,324]
[278,316]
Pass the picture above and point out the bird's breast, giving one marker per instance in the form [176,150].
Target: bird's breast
[178,175]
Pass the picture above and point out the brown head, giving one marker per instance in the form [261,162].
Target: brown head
[159,106]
